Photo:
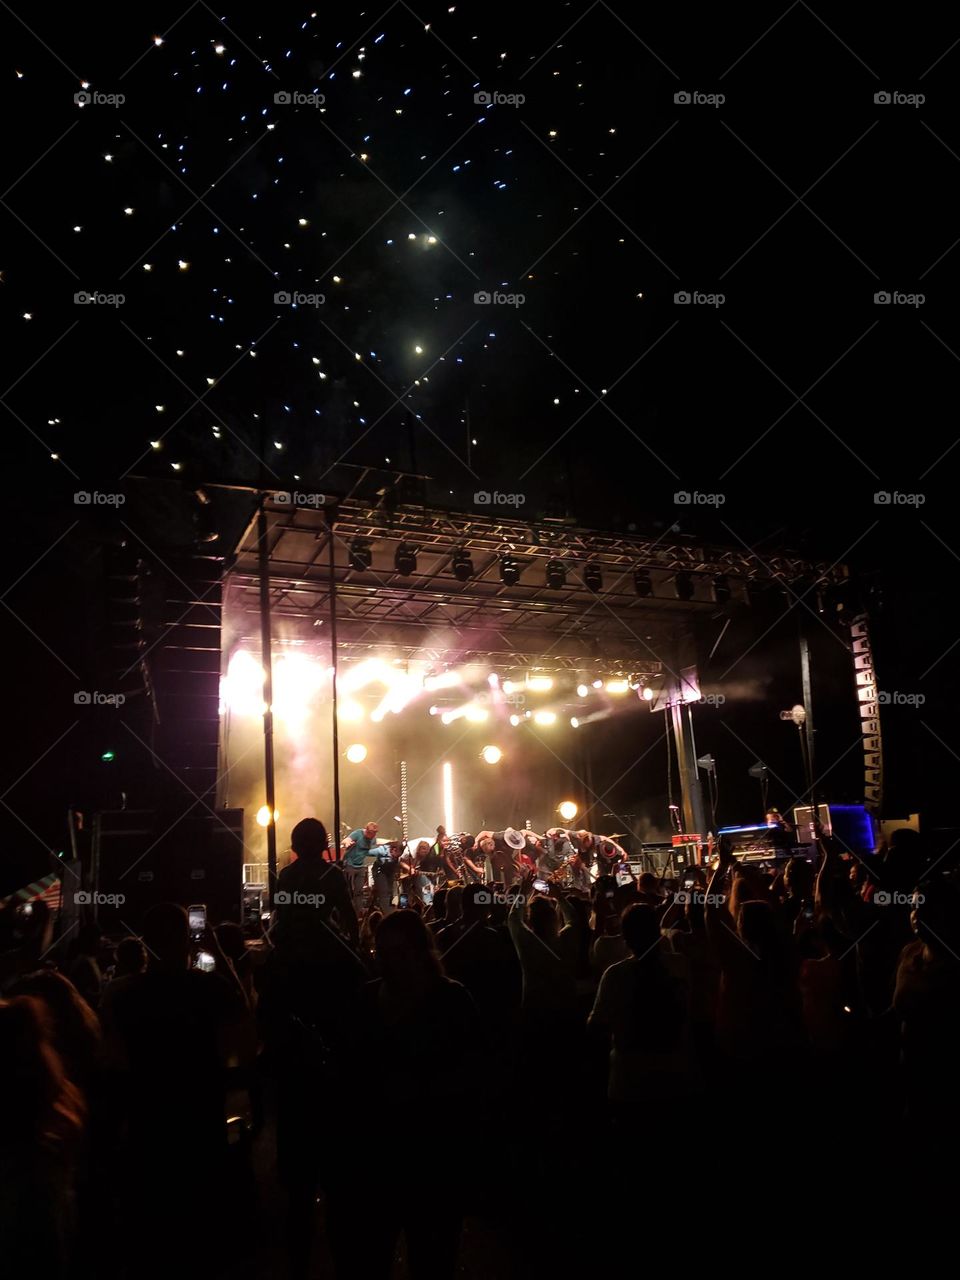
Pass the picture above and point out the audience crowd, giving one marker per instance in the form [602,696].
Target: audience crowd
[504,1083]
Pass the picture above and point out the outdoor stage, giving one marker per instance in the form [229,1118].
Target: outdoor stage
[480,660]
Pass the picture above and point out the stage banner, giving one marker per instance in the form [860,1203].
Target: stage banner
[866,684]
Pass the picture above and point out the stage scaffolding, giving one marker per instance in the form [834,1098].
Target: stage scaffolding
[309,563]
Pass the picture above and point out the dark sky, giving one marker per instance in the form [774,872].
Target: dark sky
[793,394]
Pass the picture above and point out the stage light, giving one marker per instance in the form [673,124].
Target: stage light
[509,571]
[241,689]
[574,722]
[598,684]
[582,691]
[592,577]
[369,671]
[492,755]
[444,680]
[545,717]
[642,583]
[647,694]
[476,715]
[349,711]
[721,588]
[361,554]
[462,565]
[617,686]
[514,720]
[556,575]
[539,684]
[684,586]
[108,756]
[434,711]
[405,559]
[448,796]
[567,810]
[511,686]
[357,753]
[263,816]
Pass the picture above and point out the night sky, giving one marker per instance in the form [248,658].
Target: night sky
[784,197]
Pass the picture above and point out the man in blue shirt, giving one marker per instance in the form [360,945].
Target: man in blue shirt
[360,844]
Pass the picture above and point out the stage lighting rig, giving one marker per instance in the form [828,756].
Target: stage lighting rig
[592,577]
[462,565]
[509,571]
[405,559]
[361,554]
[556,575]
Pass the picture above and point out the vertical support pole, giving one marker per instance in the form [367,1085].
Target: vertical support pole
[691,793]
[266,659]
[404,811]
[334,667]
[807,728]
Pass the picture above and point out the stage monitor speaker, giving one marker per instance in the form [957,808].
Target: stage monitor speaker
[199,859]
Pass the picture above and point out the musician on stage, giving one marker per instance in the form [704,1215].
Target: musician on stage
[472,871]
[502,853]
[385,872]
[417,868]
[553,852]
[358,846]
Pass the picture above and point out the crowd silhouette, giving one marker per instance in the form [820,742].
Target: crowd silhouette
[507,1082]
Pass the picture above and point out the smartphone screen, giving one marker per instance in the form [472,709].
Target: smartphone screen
[404,901]
[541,886]
[197,917]
[205,962]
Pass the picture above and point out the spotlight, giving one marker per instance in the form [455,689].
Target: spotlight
[592,577]
[642,583]
[476,715]
[509,571]
[647,694]
[462,565]
[405,559]
[598,684]
[545,717]
[361,556]
[492,755]
[357,753]
[617,686]
[567,810]
[514,720]
[263,816]
[721,588]
[582,691]
[684,583]
[349,710]
[556,575]
[540,684]
[574,722]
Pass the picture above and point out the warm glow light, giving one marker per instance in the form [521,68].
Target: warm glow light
[296,678]
[617,686]
[445,680]
[545,717]
[582,691]
[448,796]
[539,684]
[476,715]
[357,753]
[648,694]
[241,689]
[511,686]
[598,684]
[349,711]
[366,672]
[514,720]
[263,816]
[567,810]
[574,722]
[492,755]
